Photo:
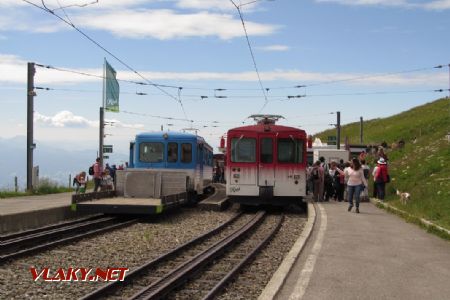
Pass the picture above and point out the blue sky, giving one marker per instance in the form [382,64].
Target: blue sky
[200,45]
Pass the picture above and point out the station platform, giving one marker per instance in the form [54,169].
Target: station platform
[122,205]
[217,201]
[370,255]
[20,213]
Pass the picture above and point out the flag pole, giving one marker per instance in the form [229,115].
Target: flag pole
[102,116]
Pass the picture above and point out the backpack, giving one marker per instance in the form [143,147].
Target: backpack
[91,170]
[366,173]
[315,174]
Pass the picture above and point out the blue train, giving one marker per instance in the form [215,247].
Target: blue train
[175,152]
[165,170]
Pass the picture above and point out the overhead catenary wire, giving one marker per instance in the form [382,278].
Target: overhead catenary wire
[44,8]
[274,98]
[240,89]
[103,77]
[252,55]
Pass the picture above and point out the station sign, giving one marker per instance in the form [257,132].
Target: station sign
[332,140]
[107,148]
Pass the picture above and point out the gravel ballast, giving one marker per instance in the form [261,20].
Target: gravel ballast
[128,247]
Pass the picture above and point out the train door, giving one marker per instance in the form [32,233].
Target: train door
[266,170]
[131,160]
[200,156]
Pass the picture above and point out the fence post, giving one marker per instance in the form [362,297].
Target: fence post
[16,187]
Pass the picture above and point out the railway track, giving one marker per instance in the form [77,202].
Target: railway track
[33,241]
[159,277]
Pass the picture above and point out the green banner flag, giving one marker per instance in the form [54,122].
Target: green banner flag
[111,89]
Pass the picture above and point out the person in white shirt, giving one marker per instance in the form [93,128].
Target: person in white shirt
[356,181]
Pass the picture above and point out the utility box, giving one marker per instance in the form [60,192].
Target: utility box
[331,155]
[35,177]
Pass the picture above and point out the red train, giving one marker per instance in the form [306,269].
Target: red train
[266,163]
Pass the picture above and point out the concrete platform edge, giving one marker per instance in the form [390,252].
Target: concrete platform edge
[276,282]
[427,224]
[34,219]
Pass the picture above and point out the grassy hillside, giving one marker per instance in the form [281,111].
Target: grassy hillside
[421,168]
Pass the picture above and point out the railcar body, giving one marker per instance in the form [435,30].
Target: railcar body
[266,163]
[174,152]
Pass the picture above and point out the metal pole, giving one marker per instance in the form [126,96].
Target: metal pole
[16,186]
[361,130]
[338,127]
[70,180]
[30,111]
[102,134]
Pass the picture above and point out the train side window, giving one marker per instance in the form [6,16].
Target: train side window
[186,153]
[151,152]
[290,150]
[266,151]
[172,152]
[243,150]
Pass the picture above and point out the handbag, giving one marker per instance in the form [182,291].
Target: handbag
[388,178]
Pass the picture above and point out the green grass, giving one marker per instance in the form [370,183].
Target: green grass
[422,168]
[46,186]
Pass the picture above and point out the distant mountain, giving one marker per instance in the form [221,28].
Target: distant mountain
[54,163]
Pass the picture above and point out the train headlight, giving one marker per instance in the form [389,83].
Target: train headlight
[296,177]
[236,176]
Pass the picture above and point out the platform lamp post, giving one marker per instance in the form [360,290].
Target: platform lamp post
[338,129]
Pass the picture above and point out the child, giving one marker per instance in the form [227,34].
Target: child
[107,181]
[80,183]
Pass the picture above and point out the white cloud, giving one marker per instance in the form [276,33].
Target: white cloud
[438,5]
[403,3]
[432,5]
[13,70]
[206,5]
[11,3]
[126,20]
[167,24]
[274,48]
[64,119]
[67,119]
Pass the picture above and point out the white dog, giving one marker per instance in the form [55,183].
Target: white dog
[404,197]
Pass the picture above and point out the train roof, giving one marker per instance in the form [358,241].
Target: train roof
[171,135]
[263,128]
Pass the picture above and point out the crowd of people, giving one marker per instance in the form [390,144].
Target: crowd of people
[348,181]
[104,177]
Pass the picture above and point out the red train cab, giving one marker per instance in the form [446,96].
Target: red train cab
[266,163]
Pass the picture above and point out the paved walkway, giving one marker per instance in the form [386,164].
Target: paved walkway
[17,205]
[371,255]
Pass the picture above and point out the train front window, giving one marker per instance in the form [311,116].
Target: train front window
[186,153]
[172,152]
[151,152]
[243,150]
[290,150]
[266,151]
